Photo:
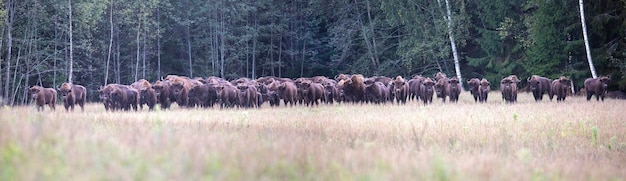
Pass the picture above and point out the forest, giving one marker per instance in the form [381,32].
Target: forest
[97,42]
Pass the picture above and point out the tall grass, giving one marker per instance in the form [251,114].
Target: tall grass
[573,140]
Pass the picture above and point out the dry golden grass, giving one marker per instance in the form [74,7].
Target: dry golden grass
[574,140]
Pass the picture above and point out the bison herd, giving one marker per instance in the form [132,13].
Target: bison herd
[248,93]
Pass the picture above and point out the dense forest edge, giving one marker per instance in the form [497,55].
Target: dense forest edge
[98,42]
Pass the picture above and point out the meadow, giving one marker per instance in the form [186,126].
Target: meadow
[571,140]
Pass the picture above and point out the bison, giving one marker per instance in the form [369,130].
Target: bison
[400,90]
[483,90]
[508,88]
[440,88]
[539,86]
[376,92]
[179,87]
[125,97]
[473,85]
[427,90]
[73,94]
[453,90]
[43,96]
[312,92]
[559,88]
[247,95]
[288,92]
[147,96]
[228,95]
[162,91]
[597,86]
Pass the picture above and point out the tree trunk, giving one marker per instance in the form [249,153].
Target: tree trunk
[457,64]
[138,49]
[106,72]
[254,40]
[189,48]
[9,23]
[587,48]
[222,46]
[159,41]
[71,69]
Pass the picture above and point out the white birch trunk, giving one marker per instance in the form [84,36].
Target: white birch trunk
[582,21]
[457,65]
[71,71]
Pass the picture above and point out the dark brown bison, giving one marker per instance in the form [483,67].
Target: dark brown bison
[483,90]
[414,87]
[312,92]
[559,88]
[125,97]
[179,87]
[43,96]
[440,88]
[400,90]
[288,92]
[514,85]
[331,92]
[539,86]
[376,92]
[353,89]
[73,94]
[140,85]
[105,96]
[162,91]
[204,95]
[508,88]
[247,95]
[426,91]
[147,96]
[228,95]
[473,85]
[597,86]
[453,90]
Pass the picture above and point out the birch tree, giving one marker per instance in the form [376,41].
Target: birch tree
[588,50]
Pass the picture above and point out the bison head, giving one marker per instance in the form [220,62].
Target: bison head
[34,91]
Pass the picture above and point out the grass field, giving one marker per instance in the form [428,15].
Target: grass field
[574,140]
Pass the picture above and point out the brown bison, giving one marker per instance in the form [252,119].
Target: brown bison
[288,92]
[414,87]
[453,90]
[73,94]
[162,91]
[353,89]
[43,96]
[426,91]
[483,90]
[179,87]
[539,86]
[597,86]
[204,95]
[376,92]
[125,97]
[440,88]
[147,96]
[473,85]
[228,95]
[247,95]
[559,88]
[331,92]
[312,92]
[400,90]
[508,88]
